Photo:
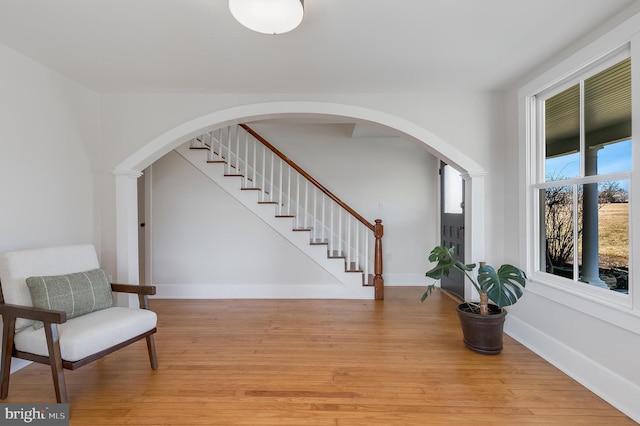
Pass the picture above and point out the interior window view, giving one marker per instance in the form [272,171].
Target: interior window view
[585,200]
[319,212]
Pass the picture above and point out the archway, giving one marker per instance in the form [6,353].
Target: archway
[129,170]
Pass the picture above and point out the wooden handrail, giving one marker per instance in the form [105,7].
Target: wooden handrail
[306,175]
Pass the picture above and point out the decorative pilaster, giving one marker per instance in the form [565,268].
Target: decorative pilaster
[474,224]
[127,231]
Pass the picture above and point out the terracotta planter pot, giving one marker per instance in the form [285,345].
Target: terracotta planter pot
[482,333]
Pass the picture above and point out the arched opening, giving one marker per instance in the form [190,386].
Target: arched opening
[128,171]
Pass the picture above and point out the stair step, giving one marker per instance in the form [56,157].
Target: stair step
[259,189]
[302,229]
[336,255]
[368,280]
[222,160]
[319,242]
[285,215]
[267,202]
[199,147]
[353,267]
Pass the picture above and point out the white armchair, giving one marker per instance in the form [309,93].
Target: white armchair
[57,309]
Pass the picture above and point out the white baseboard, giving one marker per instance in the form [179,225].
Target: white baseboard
[282,291]
[613,388]
[262,291]
[406,280]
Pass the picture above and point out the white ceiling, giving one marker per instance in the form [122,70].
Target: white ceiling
[341,45]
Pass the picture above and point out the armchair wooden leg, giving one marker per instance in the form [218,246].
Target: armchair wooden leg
[8,329]
[153,357]
[55,361]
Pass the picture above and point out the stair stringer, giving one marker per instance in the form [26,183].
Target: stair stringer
[351,283]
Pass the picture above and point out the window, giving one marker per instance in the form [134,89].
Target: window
[454,193]
[581,187]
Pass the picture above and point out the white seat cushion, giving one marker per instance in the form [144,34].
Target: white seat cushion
[85,335]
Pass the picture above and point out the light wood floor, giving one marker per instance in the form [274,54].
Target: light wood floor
[317,362]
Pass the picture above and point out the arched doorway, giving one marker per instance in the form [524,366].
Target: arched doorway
[129,170]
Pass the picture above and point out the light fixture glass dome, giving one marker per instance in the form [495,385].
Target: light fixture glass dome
[268,16]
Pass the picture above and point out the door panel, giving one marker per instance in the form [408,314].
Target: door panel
[452,224]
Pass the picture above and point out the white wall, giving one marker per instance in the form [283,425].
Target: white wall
[48,146]
[593,341]
[49,135]
[202,235]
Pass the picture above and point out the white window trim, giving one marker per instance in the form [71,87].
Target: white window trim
[610,308]
[538,180]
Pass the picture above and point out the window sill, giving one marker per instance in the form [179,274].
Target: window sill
[606,305]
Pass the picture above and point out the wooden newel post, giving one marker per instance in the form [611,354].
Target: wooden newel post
[378,281]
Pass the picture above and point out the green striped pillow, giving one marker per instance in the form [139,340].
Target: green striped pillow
[76,294]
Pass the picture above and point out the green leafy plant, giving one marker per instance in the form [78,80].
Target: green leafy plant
[503,287]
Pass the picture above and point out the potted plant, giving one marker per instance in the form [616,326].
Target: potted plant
[482,322]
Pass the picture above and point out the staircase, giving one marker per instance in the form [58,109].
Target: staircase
[293,203]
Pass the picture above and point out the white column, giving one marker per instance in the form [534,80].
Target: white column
[474,224]
[127,232]
[590,247]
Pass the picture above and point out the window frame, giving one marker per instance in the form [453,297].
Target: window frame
[536,180]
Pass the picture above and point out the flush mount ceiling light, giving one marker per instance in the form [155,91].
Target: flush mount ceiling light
[268,16]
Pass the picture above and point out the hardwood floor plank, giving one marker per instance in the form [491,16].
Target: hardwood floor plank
[317,362]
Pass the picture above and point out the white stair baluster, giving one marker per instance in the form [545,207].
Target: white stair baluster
[281,201]
[211,152]
[322,217]
[238,170]
[306,198]
[246,159]
[228,151]
[255,160]
[297,200]
[349,249]
[314,216]
[288,191]
[366,255]
[340,239]
[271,178]
[219,137]
[263,171]
[331,228]
[356,247]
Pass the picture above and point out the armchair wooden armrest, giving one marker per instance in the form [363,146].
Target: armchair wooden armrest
[48,316]
[141,290]
[135,289]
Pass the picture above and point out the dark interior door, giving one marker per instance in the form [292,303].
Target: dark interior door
[452,224]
